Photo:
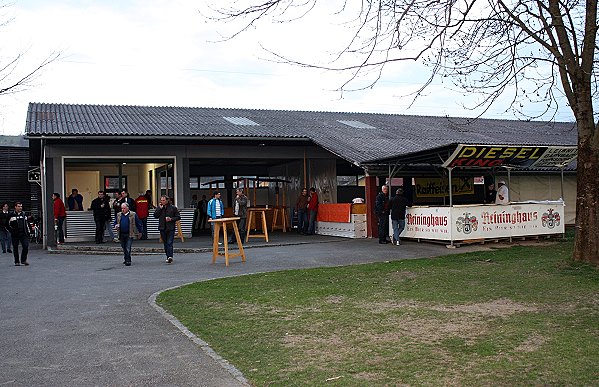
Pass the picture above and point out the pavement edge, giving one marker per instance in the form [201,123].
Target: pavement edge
[199,342]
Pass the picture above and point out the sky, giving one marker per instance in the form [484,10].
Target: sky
[167,53]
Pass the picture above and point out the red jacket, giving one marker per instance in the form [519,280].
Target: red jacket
[313,203]
[142,207]
[59,211]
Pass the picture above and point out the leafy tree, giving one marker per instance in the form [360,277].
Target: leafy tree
[487,47]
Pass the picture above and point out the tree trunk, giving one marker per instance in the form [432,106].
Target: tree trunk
[586,247]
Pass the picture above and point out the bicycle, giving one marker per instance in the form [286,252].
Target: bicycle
[36,232]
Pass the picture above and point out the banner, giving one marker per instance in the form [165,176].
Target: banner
[484,221]
[438,187]
[516,156]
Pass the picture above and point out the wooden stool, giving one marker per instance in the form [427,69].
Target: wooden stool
[275,224]
[222,224]
[251,218]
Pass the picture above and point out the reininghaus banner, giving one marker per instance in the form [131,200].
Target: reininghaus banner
[484,221]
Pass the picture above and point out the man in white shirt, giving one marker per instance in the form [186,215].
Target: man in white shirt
[503,196]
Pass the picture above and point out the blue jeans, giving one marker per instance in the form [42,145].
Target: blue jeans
[109,229]
[398,226]
[302,220]
[5,239]
[126,242]
[168,237]
[312,222]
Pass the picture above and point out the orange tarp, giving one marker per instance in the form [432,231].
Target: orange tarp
[340,213]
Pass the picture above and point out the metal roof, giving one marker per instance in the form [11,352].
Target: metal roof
[384,136]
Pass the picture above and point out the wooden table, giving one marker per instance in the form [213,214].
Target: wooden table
[252,212]
[222,224]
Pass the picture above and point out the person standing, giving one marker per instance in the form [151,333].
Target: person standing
[148,196]
[142,206]
[75,201]
[503,196]
[19,230]
[203,213]
[215,210]
[312,211]
[491,194]
[240,209]
[101,210]
[301,208]
[126,199]
[398,215]
[381,209]
[129,226]
[5,237]
[60,215]
[167,215]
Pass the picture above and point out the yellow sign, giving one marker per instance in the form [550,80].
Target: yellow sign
[437,187]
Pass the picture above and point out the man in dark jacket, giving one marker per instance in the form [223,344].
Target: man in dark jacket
[398,215]
[240,209]
[381,209]
[19,230]
[126,199]
[101,209]
[167,215]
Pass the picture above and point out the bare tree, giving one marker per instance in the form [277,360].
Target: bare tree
[489,47]
[14,75]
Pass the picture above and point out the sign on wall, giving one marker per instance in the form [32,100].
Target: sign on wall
[438,187]
[516,156]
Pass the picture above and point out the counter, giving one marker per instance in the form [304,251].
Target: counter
[80,225]
[473,222]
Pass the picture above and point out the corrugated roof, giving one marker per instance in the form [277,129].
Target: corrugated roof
[390,134]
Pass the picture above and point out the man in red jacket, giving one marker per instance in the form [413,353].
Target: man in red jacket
[312,211]
[59,216]
[142,204]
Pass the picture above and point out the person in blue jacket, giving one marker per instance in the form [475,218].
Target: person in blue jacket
[215,210]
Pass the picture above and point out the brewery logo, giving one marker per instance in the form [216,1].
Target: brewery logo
[550,218]
[466,223]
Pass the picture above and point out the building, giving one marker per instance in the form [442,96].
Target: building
[175,150]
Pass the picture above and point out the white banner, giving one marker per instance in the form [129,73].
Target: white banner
[484,221]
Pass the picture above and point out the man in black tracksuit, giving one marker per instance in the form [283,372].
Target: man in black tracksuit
[19,229]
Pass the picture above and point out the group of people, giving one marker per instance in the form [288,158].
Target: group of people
[397,208]
[215,209]
[14,230]
[129,225]
[499,196]
[306,209]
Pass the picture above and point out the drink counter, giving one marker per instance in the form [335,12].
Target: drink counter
[343,219]
[80,225]
[479,222]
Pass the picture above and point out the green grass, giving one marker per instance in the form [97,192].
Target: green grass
[510,316]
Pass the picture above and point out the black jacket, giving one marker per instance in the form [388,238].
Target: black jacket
[398,207]
[4,217]
[101,213]
[19,225]
[161,214]
[381,205]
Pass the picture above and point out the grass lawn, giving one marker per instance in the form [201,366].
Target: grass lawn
[510,316]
